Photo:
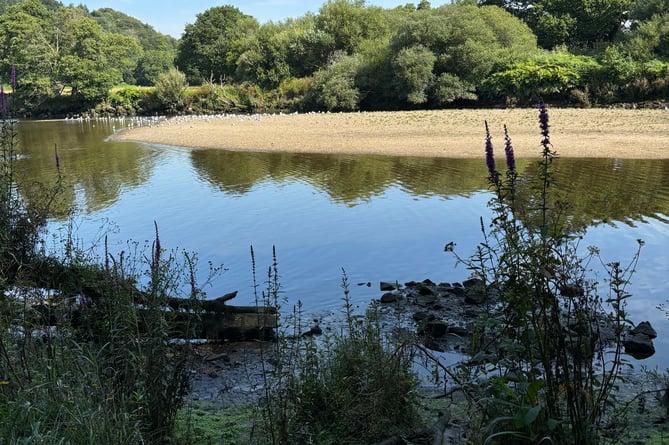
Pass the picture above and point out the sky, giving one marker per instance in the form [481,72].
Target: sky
[171,16]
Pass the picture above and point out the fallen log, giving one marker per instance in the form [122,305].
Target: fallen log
[202,319]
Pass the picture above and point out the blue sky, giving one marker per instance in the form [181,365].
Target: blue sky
[171,16]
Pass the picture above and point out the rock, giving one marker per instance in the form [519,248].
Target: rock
[639,341]
[458,290]
[387,285]
[426,300]
[315,330]
[423,316]
[426,289]
[434,329]
[389,297]
[644,328]
[472,282]
[475,295]
[458,330]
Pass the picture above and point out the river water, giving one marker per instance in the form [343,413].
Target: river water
[378,218]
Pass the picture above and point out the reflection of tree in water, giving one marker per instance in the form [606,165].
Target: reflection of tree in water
[347,179]
[94,171]
[597,189]
[607,190]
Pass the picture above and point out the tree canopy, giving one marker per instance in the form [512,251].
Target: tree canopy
[347,56]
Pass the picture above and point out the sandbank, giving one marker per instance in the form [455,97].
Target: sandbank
[596,133]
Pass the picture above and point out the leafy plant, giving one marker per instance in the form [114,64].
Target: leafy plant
[548,351]
[354,387]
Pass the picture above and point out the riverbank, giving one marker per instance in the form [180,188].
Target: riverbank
[590,133]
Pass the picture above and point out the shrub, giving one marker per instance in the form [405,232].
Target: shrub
[170,90]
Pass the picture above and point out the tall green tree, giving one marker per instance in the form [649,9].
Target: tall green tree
[468,44]
[265,61]
[62,51]
[210,47]
[575,23]
[158,51]
[350,23]
[334,86]
[414,73]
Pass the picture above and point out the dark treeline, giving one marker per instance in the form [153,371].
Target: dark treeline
[348,56]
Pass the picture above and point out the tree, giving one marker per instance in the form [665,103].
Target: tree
[350,22]
[576,23]
[468,42]
[334,86]
[265,61]
[650,39]
[210,47]
[309,47]
[158,51]
[413,73]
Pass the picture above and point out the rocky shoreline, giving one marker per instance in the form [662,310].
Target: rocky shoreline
[442,315]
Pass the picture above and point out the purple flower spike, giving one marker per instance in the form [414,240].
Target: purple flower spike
[508,150]
[57,159]
[13,78]
[543,123]
[489,156]
[3,102]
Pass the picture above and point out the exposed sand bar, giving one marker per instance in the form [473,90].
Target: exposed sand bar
[607,133]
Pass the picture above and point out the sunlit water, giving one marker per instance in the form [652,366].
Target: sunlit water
[376,218]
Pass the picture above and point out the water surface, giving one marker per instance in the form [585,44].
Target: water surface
[378,218]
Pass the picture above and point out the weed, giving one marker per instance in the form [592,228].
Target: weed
[547,353]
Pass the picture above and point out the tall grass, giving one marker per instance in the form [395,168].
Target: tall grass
[86,349]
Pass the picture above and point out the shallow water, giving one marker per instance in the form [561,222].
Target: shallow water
[377,218]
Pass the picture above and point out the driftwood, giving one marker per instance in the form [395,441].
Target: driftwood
[216,320]
[202,319]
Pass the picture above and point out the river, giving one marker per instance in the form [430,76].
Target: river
[376,218]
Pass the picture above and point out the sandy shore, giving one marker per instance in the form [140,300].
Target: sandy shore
[610,133]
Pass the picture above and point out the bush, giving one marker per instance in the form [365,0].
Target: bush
[170,88]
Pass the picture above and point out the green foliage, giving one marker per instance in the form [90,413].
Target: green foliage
[576,23]
[355,387]
[334,87]
[413,71]
[649,39]
[157,50]
[171,89]
[350,23]
[548,352]
[210,47]
[265,59]
[547,75]
[62,50]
